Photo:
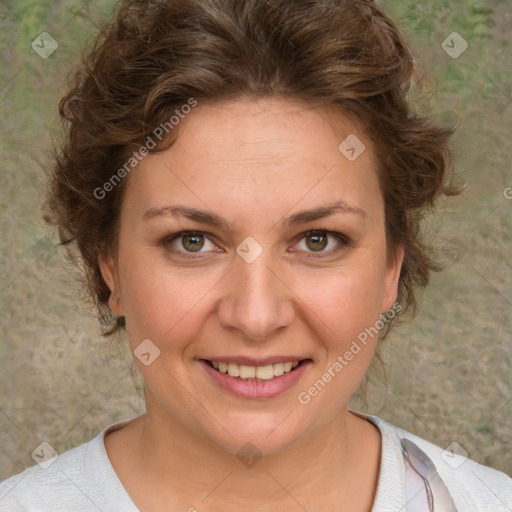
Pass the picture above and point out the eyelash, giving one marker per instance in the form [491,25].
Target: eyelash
[342,239]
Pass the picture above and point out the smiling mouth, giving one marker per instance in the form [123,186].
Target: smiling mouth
[255,373]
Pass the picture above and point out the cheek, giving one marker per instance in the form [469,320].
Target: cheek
[159,301]
[344,310]
[345,301]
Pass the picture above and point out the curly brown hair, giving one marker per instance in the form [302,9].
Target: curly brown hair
[157,55]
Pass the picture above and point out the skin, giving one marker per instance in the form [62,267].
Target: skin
[252,162]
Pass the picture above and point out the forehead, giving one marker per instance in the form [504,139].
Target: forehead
[259,155]
[267,130]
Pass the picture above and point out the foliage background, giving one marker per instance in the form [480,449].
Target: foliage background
[448,372]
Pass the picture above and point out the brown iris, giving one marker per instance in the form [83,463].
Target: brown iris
[318,241]
[193,242]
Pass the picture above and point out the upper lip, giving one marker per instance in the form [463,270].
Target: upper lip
[254,361]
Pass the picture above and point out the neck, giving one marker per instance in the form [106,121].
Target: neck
[339,463]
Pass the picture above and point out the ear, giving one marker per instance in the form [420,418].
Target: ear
[393,269]
[108,268]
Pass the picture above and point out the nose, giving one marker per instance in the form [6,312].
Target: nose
[255,299]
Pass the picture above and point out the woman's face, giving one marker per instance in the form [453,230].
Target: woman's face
[255,281]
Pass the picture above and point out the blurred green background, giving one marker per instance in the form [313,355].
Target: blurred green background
[449,371]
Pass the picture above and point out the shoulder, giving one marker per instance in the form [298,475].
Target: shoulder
[473,486]
[50,484]
[81,479]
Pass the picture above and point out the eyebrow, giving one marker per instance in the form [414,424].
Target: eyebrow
[212,219]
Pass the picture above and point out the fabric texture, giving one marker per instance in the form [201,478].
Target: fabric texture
[83,480]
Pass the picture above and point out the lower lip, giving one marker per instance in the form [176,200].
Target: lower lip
[256,389]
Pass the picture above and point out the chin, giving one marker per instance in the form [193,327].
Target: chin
[248,433]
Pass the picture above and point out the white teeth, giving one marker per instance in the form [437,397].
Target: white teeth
[233,370]
[278,369]
[247,372]
[265,372]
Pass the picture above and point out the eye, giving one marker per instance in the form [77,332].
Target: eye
[318,241]
[188,242]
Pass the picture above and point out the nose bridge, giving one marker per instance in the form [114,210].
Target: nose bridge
[256,302]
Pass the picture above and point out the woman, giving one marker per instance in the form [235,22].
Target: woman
[244,182]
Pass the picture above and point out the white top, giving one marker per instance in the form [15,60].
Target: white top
[82,479]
